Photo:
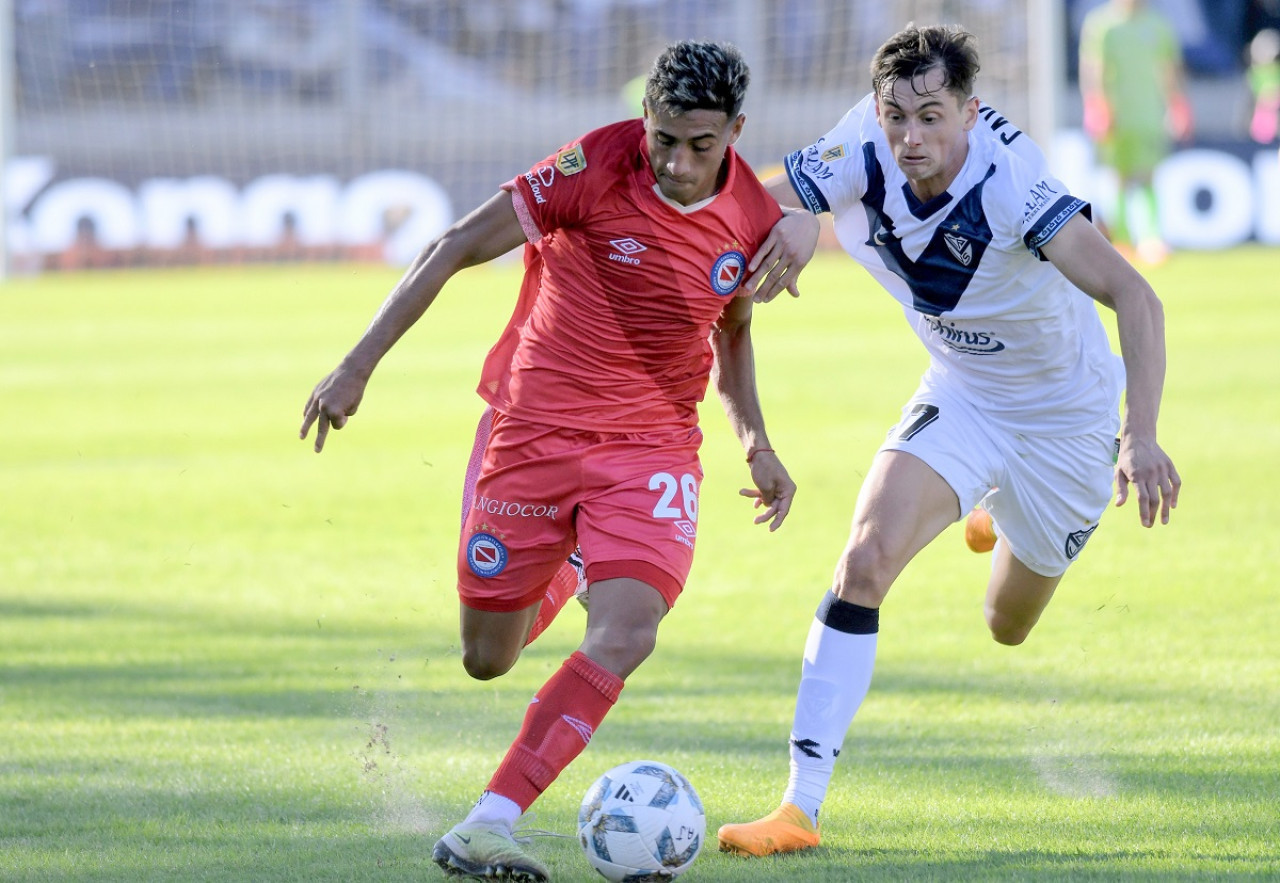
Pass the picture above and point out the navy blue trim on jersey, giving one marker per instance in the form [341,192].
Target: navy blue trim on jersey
[803,166]
[997,122]
[1053,220]
[948,263]
[923,210]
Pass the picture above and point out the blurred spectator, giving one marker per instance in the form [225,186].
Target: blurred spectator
[289,46]
[1131,83]
[1264,82]
[1210,32]
[43,51]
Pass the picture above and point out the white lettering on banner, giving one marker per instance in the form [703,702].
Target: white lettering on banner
[44,217]
[1266,171]
[1224,219]
[1208,199]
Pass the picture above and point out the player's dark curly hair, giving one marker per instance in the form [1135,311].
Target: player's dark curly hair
[692,75]
[913,51]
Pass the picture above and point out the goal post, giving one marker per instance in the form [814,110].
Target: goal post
[186,131]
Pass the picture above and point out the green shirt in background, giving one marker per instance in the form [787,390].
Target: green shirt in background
[1135,54]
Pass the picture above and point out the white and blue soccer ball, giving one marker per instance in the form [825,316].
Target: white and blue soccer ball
[641,821]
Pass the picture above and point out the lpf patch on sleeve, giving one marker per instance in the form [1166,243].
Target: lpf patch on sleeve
[571,160]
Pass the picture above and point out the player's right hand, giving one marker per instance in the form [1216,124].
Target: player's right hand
[332,402]
[774,489]
[787,250]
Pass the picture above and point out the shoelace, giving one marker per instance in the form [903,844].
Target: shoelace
[523,834]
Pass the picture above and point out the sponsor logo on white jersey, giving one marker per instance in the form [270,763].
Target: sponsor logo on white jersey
[978,343]
[1037,199]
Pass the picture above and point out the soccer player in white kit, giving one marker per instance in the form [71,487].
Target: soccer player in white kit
[997,268]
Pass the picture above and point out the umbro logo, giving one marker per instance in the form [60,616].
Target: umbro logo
[626,252]
[627,246]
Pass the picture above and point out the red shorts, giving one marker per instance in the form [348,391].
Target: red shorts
[628,501]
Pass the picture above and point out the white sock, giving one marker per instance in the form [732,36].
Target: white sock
[494,809]
[834,680]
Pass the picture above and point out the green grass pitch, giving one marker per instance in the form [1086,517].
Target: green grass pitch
[224,658]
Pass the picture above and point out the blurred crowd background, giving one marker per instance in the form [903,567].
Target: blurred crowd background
[139,122]
[80,51]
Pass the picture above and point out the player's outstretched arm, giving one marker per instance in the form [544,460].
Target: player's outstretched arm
[1097,269]
[787,250]
[489,231]
[735,380]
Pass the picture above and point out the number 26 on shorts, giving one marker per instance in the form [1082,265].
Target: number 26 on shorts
[686,487]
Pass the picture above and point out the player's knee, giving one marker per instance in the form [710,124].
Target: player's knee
[864,574]
[486,666]
[1008,630]
[621,650]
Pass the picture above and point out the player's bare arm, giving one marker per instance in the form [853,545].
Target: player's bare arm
[1097,269]
[787,250]
[488,232]
[734,375]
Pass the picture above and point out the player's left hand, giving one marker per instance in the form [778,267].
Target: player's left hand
[787,250]
[774,489]
[1144,465]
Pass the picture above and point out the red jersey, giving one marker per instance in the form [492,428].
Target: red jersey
[621,287]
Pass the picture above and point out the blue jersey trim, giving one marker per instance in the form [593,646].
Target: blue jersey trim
[1052,220]
[802,179]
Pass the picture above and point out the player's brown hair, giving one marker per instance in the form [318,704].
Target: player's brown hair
[914,51]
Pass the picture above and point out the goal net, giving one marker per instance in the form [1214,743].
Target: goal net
[182,131]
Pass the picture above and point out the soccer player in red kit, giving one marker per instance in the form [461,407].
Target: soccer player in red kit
[638,238]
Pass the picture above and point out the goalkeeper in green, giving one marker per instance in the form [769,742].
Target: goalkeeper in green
[1131,81]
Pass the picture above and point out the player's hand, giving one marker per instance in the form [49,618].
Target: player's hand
[332,402]
[1143,465]
[774,489]
[1097,117]
[1181,122]
[776,265]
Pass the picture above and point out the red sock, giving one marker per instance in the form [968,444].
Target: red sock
[557,726]
[559,591]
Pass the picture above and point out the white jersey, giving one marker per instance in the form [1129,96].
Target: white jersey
[1002,326]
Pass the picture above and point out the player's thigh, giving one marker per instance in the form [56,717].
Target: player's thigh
[518,527]
[638,518]
[902,506]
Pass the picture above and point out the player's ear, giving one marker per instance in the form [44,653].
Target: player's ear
[970,112]
[736,129]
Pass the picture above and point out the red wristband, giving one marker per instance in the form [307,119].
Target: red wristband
[752,453]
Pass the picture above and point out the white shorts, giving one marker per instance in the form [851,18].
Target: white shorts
[1045,493]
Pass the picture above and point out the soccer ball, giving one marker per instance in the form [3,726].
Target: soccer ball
[641,821]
